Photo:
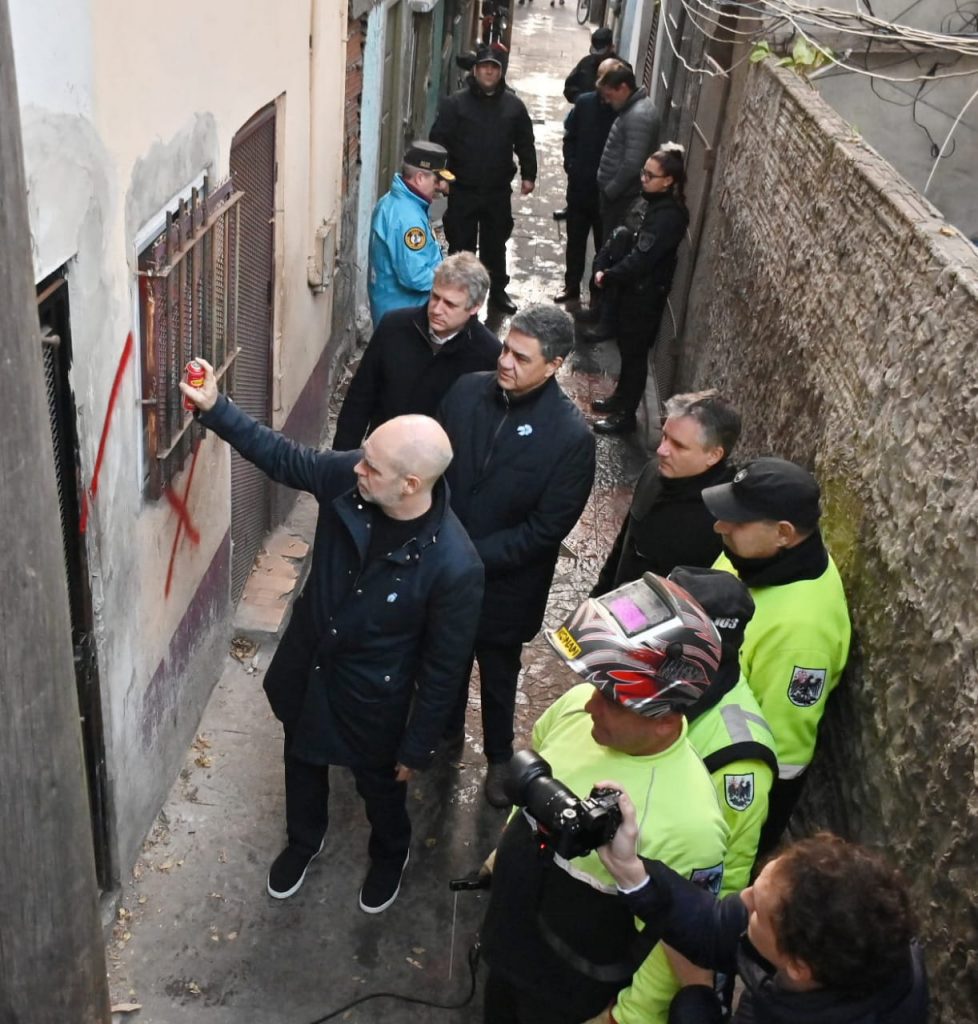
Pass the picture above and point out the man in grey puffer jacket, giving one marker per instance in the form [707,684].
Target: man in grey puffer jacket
[633,136]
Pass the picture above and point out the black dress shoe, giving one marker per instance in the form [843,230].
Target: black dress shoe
[615,423]
[568,296]
[610,404]
[595,334]
[502,301]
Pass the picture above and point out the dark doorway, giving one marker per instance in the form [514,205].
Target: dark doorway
[53,312]
[254,170]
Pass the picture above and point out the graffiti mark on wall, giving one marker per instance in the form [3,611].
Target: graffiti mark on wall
[113,399]
[184,522]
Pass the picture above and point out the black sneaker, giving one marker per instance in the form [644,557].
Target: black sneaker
[288,871]
[382,884]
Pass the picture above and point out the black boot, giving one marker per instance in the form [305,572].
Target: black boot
[502,301]
[616,423]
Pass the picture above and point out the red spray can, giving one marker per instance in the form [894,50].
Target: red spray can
[195,378]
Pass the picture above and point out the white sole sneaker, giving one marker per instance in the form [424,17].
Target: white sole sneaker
[380,908]
[284,895]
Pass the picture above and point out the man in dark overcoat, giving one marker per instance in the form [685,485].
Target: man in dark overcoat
[367,671]
[416,354]
[668,524]
[522,474]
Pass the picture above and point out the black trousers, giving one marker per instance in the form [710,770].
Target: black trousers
[499,671]
[583,219]
[506,1004]
[307,808]
[482,222]
[638,318]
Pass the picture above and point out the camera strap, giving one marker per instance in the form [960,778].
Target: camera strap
[617,973]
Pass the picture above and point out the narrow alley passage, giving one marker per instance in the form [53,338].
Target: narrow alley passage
[197,938]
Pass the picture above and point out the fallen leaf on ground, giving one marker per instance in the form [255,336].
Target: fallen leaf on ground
[125,1007]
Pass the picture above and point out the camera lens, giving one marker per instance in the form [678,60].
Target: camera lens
[524,767]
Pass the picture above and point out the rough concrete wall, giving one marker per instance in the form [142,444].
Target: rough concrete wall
[841,313]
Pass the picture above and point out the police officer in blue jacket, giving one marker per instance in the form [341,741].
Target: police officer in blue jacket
[403,250]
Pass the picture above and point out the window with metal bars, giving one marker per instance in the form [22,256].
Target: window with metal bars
[188,290]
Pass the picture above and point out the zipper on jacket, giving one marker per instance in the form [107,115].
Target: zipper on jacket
[495,438]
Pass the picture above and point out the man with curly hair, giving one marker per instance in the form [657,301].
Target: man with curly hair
[825,934]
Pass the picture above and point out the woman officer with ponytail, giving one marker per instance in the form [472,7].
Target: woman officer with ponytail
[642,279]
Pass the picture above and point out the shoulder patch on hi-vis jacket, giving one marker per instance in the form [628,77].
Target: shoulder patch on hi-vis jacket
[708,878]
[415,239]
[806,686]
[739,790]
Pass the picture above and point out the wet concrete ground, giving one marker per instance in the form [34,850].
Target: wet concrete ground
[198,939]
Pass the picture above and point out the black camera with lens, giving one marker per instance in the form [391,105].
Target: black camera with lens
[566,824]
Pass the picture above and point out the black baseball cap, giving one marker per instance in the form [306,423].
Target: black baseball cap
[429,156]
[766,488]
[491,55]
[601,38]
[722,596]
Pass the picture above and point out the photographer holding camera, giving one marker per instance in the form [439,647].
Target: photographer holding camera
[560,944]
[823,936]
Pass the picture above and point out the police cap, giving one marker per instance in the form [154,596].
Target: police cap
[429,156]
[766,489]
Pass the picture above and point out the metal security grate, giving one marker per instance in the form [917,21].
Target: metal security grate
[188,299]
[252,164]
[650,50]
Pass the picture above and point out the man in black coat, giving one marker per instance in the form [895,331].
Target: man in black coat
[522,474]
[481,126]
[668,524]
[417,354]
[367,671]
[823,936]
[585,74]
[585,132]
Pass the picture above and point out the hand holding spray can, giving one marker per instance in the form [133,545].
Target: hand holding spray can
[195,379]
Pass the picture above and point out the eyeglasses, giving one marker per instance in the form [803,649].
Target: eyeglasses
[649,176]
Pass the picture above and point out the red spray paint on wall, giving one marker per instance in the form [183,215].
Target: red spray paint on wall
[179,505]
[113,399]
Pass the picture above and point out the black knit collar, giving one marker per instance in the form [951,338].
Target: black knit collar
[806,561]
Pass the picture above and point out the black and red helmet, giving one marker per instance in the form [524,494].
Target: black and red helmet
[648,646]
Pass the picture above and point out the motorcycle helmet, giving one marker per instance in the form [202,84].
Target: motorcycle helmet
[647,646]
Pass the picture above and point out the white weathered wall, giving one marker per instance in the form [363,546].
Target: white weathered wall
[123,107]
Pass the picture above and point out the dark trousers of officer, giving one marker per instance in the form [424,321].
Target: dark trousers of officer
[505,1004]
[482,222]
[583,219]
[307,808]
[499,672]
[638,318]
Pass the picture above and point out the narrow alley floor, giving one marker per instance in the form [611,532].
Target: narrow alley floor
[197,938]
